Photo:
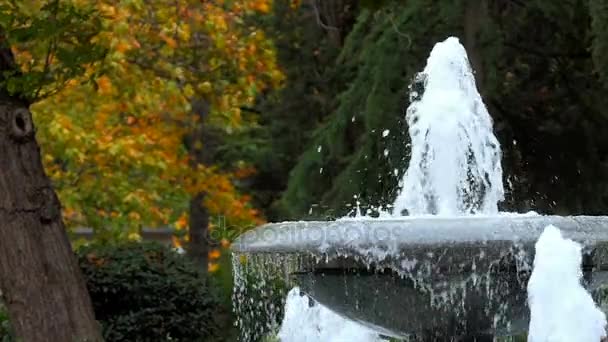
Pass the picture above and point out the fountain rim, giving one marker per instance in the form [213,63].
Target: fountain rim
[398,234]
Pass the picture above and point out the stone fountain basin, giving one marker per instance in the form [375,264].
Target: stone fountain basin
[429,276]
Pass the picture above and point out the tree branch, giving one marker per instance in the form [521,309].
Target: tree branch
[50,49]
[313,3]
[406,36]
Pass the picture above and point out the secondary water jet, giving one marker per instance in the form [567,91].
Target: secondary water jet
[455,267]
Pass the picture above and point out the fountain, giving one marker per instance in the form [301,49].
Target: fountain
[454,267]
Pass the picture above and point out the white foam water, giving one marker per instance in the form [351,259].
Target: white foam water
[455,163]
[308,321]
[561,309]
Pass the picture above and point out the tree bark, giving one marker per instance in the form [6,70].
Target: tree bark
[198,246]
[41,282]
[202,146]
[475,13]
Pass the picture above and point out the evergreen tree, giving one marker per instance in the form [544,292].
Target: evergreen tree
[361,149]
[540,69]
[307,51]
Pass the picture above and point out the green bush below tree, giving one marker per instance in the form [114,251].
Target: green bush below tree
[148,292]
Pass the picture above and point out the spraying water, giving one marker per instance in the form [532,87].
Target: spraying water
[455,164]
[561,309]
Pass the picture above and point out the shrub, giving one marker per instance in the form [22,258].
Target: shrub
[147,292]
[6,334]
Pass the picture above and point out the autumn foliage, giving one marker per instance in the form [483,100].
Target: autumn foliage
[112,122]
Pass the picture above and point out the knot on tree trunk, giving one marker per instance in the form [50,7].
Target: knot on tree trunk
[20,125]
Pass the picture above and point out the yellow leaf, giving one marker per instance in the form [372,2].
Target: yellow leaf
[134,237]
[205,87]
[213,267]
[188,90]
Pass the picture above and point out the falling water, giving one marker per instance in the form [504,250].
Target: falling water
[455,158]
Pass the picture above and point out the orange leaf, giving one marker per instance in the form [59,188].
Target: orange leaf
[105,84]
[214,254]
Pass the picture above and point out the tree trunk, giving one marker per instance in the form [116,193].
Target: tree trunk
[475,13]
[202,145]
[41,282]
[198,246]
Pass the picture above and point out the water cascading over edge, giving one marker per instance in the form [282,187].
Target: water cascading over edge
[455,166]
